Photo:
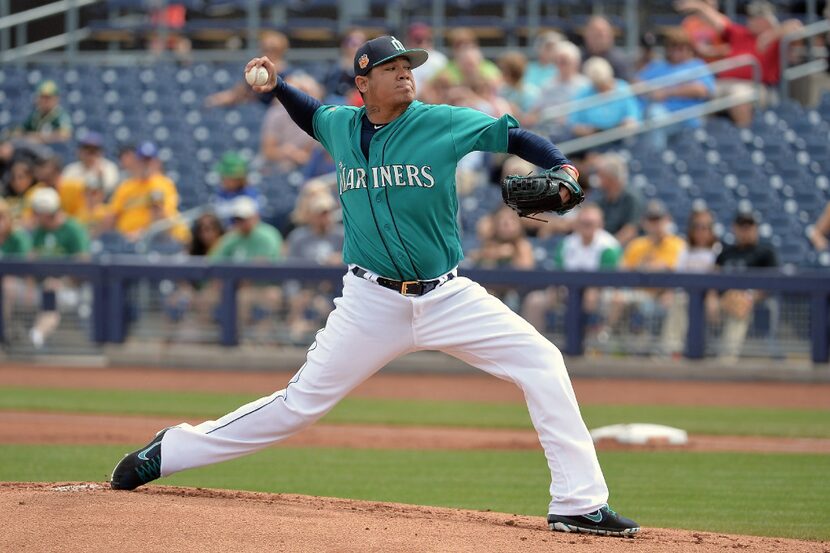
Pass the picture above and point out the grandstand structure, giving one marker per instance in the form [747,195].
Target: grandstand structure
[779,167]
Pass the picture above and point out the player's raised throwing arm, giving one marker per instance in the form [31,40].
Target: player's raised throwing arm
[299,105]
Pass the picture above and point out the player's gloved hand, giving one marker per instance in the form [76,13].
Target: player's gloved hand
[534,194]
[272,73]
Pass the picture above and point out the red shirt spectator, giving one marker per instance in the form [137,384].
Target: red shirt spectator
[760,38]
[742,41]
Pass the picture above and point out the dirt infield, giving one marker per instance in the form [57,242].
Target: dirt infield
[91,518]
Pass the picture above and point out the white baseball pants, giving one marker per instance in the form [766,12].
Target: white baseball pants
[370,327]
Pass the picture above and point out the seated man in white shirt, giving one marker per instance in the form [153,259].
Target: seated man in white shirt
[588,248]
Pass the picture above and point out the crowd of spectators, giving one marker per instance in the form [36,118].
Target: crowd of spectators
[48,208]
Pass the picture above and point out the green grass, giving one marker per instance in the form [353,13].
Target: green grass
[771,495]
[201,405]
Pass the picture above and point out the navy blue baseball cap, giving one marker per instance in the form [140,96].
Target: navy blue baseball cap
[146,150]
[91,139]
[383,49]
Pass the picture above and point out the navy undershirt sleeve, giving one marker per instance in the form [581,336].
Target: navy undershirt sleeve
[299,105]
[535,149]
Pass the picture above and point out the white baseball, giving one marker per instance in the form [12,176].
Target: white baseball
[257,76]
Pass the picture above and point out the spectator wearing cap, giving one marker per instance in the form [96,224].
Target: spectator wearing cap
[658,250]
[147,197]
[48,122]
[55,235]
[283,145]
[48,175]
[622,112]
[621,206]
[736,306]
[250,241]
[92,167]
[543,69]
[598,41]
[760,38]
[127,161]
[680,57]
[419,35]
[233,170]
[318,240]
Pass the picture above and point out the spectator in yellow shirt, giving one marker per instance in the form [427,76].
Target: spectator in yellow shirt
[148,196]
[658,250]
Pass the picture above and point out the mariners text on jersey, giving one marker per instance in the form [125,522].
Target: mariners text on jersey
[353,178]
[400,208]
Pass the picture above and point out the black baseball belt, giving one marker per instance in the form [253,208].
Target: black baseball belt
[405,287]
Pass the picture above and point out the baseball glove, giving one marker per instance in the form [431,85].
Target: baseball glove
[534,194]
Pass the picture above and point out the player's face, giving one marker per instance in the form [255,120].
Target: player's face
[391,83]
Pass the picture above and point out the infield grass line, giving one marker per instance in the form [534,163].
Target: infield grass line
[735,421]
[783,495]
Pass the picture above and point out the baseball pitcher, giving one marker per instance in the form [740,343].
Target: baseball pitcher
[396,161]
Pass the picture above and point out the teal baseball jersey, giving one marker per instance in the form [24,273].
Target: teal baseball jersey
[400,206]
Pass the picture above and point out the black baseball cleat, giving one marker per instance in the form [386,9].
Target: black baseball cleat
[604,522]
[139,467]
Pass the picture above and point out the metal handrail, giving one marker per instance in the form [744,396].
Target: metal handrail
[44,45]
[662,82]
[43,11]
[617,133]
[712,106]
[797,71]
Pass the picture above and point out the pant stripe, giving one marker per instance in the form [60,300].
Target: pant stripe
[284,397]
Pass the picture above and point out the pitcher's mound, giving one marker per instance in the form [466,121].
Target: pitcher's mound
[89,517]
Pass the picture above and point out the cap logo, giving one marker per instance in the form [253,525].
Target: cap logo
[363,61]
[397,44]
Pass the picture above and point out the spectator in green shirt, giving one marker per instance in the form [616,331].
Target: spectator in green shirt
[251,241]
[48,121]
[55,235]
